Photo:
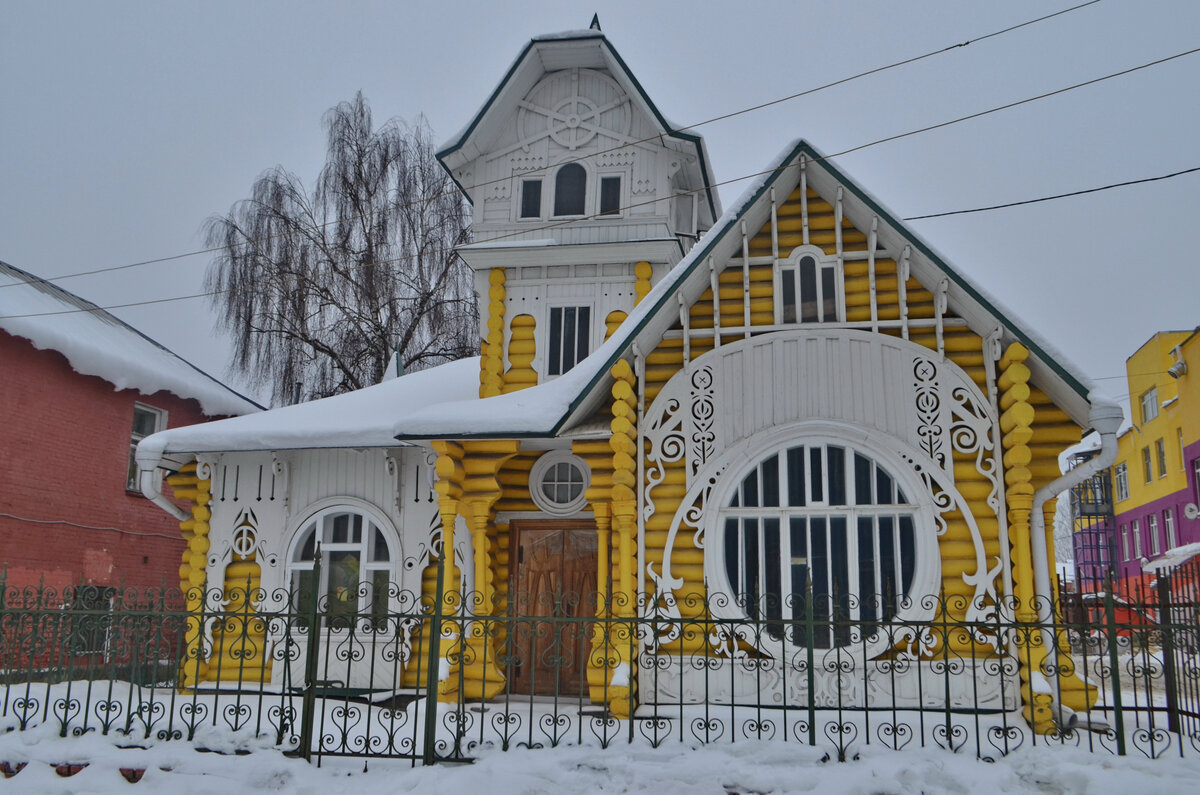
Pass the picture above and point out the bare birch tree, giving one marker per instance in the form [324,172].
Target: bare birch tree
[321,289]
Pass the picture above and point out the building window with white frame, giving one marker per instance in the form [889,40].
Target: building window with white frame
[1147,475]
[1182,459]
[569,338]
[1152,529]
[809,289]
[147,420]
[824,519]
[357,565]
[531,198]
[1137,539]
[1149,401]
[1122,481]
[1124,542]
[570,190]
[610,196]
[559,482]
[1160,453]
[1169,527]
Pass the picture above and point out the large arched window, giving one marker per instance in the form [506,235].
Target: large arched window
[825,517]
[357,561]
[570,190]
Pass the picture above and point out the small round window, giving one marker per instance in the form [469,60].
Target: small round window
[558,483]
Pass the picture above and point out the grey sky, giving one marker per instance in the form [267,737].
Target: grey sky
[124,125]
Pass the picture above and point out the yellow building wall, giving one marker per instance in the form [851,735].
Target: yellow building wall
[1146,369]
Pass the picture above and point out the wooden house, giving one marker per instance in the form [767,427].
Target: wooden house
[700,415]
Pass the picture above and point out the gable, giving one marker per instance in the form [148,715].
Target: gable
[532,94]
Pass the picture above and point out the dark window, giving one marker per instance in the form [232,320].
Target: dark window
[531,198]
[610,195]
[857,552]
[570,329]
[570,187]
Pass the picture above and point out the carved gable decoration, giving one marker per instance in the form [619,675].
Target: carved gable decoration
[869,381]
[574,106]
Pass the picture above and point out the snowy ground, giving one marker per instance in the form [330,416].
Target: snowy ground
[743,767]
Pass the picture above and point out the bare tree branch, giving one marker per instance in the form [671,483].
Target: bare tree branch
[321,288]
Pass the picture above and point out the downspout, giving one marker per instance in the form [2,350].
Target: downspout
[1105,418]
[149,459]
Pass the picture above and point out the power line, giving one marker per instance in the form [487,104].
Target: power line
[1056,196]
[722,117]
[752,175]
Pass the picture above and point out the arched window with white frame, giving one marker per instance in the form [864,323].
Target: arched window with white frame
[359,554]
[827,519]
[570,190]
[809,288]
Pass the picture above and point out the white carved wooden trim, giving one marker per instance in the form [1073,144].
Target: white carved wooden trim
[915,407]
[804,198]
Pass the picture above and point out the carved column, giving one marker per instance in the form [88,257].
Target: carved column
[624,522]
[481,489]
[450,475]
[1016,423]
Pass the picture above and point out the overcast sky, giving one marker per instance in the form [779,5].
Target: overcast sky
[124,125]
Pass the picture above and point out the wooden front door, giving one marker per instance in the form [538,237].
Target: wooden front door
[552,594]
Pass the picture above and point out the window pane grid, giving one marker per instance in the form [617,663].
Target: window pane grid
[858,556]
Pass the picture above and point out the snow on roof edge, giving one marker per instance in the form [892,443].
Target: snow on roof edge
[361,418]
[97,343]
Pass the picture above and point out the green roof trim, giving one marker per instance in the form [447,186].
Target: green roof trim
[954,275]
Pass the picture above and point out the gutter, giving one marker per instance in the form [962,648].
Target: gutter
[150,480]
[1106,418]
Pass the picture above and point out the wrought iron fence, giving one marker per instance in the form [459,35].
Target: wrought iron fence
[436,676]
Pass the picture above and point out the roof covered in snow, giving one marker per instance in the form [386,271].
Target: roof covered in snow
[363,418]
[568,400]
[97,343]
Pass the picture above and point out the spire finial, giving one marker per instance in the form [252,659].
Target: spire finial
[595,22]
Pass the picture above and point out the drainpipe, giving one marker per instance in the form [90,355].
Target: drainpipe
[151,482]
[1105,418]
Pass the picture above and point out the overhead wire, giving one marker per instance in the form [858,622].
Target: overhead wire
[580,158]
[1056,196]
[578,219]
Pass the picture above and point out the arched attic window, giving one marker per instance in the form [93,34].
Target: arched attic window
[570,189]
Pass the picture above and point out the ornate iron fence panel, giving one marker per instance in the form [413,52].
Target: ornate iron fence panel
[435,676]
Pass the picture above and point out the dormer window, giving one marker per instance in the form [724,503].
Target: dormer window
[531,198]
[570,333]
[570,190]
[610,195]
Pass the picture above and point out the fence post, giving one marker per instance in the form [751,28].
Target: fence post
[1110,621]
[1168,649]
[808,652]
[310,662]
[433,663]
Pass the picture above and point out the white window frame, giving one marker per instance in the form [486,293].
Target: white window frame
[590,333]
[823,262]
[1124,542]
[1147,469]
[372,519]
[1137,539]
[927,560]
[622,194]
[1149,401]
[589,188]
[1121,478]
[543,468]
[1169,527]
[1152,529]
[1160,454]
[133,473]
[520,202]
